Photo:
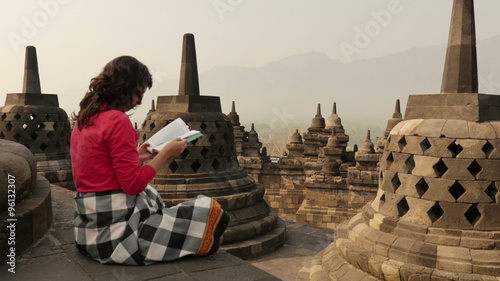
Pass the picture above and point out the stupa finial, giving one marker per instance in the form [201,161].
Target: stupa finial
[334,108]
[189,84]
[31,84]
[233,107]
[318,110]
[460,70]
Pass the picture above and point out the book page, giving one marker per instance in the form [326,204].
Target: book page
[175,129]
[171,131]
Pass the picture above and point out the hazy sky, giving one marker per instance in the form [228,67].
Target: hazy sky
[75,38]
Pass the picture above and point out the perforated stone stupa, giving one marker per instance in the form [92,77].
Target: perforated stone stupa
[36,121]
[436,213]
[209,165]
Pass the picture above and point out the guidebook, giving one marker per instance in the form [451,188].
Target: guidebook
[176,129]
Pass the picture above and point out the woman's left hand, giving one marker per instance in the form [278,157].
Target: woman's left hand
[144,154]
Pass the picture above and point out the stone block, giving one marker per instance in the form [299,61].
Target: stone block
[383,244]
[486,262]
[439,147]
[455,129]
[457,169]
[397,128]
[400,249]
[438,190]
[441,236]
[454,259]
[407,187]
[409,126]
[413,144]
[493,152]
[453,216]
[424,166]
[430,128]
[472,148]
[490,218]
[423,254]
[481,130]
[393,143]
[474,192]
[488,169]
[417,214]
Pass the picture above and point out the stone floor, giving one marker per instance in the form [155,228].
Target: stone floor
[54,257]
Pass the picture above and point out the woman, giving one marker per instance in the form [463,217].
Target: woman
[120,218]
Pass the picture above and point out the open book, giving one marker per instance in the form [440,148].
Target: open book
[176,129]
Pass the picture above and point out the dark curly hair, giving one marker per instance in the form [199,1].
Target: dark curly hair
[114,88]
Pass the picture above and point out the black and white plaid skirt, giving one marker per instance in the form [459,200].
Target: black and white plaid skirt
[113,227]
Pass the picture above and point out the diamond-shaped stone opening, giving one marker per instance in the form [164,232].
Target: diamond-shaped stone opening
[455,148]
[402,143]
[226,137]
[32,116]
[152,126]
[34,136]
[27,146]
[50,135]
[381,175]
[55,126]
[58,146]
[24,126]
[212,139]
[425,144]
[3,116]
[440,168]
[17,137]
[193,142]
[185,154]
[410,164]
[487,149]
[216,165]
[389,160]
[456,190]
[43,146]
[203,126]
[8,126]
[218,126]
[173,166]
[221,150]
[41,126]
[492,192]
[48,117]
[472,215]
[195,166]
[403,207]
[396,183]
[382,198]
[17,116]
[435,212]
[2,136]
[421,186]
[144,138]
[204,152]
[474,168]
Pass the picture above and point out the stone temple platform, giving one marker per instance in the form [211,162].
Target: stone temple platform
[55,257]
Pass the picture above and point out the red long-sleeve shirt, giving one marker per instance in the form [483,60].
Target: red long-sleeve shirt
[104,156]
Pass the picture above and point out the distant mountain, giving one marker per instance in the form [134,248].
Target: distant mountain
[286,92]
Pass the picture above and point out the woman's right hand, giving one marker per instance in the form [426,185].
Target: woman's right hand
[175,147]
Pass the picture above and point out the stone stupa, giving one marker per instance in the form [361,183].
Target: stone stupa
[436,213]
[209,165]
[36,121]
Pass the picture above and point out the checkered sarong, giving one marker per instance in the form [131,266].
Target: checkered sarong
[113,227]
